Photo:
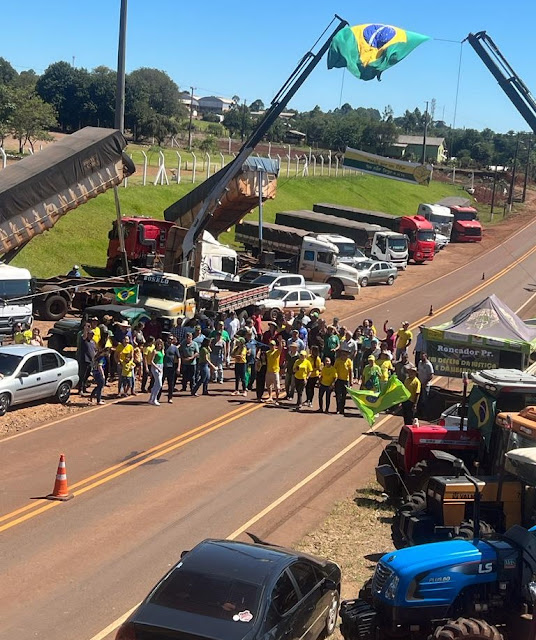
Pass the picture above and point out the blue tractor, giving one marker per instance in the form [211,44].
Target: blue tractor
[453,590]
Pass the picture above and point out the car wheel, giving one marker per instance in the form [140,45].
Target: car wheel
[63,393]
[5,401]
[364,282]
[331,618]
[390,280]
[273,314]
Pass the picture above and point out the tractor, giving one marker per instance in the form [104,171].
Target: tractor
[479,589]
[406,465]
[445,510]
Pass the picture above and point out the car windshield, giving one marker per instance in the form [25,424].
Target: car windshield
[277,294]
[265,279]
[435,217]
[215,596]
[464,215]
[161,287]
[362,264]
[426,236]
[8,364]
[398,244]
[346,249]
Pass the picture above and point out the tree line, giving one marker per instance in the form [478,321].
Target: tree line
[67,98]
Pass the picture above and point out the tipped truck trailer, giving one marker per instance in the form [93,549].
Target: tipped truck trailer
[315,259]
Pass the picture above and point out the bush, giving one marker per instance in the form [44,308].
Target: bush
[209,145]
[211,117]
[216,130]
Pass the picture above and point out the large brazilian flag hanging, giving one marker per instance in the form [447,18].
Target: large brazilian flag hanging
[367,50]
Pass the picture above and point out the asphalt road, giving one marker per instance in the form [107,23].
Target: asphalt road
[150,482]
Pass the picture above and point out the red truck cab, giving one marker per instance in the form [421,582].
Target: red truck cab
[466,226]
[145,241]
[421,237]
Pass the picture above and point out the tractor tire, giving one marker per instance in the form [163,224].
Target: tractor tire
[418,477]
[467,629]
[54,308]
[358,620]
[414,503]
[336,288]
[387,456]
[466,530]
[399,541]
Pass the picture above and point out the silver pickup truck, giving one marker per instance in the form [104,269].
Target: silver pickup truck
[276,279]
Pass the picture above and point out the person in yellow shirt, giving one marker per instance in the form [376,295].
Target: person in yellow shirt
[403,339]
[344,368]
[239,354]
[413,385]
[312,381]
[94,325]
[386,369]
[273,356]
[302,370]
[124,352]
[328,376]
[127,377]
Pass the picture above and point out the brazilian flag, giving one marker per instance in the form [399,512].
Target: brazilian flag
[370,403]
[481,412]
[126,295]
[367,50]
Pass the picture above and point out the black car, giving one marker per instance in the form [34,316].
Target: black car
[227,590]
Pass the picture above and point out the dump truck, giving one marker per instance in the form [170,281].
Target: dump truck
[312,257]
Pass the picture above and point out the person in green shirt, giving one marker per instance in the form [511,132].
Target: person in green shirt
[157,369]
[371,376]
[331,344]
[218,329]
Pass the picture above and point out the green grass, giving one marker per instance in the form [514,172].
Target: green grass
[81,237]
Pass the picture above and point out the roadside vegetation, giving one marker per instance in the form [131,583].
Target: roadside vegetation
[81,237]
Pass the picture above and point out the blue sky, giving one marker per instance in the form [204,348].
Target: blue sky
[249,48]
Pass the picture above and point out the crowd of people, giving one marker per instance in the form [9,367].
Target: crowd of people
[298,359]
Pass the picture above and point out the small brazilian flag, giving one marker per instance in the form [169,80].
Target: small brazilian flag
[370,403]
[126,295]
[367,50]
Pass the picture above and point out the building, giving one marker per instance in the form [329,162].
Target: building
[214,104]
[410,148]
[189,101]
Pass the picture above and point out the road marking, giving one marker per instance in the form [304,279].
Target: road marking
[527,302]
[117,623]
[126,467]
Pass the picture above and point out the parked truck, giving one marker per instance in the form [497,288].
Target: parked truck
[15,302]
[441,218]
[419,231]
[466,226]
[315,259]
[377,241]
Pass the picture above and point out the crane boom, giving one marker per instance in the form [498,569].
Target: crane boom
[278,104]
[508,80]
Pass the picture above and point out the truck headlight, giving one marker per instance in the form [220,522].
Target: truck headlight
[390,592]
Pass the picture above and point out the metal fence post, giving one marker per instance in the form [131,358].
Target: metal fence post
[207,157]
[4,157]
[269,150]
[329,163]
[194,166]
[288,165]
[179,164]
[278,163]
[305,172]
[222,163]
[336,166]
[297,165]
[229,145]
[144,175]
[314,165]
[321,165]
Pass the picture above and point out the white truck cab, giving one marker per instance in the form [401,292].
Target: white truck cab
[15,303]
[318,262]
[390,246]
[218,261]
[441,218]
[348,251]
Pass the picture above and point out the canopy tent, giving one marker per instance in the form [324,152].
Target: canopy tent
[486,335]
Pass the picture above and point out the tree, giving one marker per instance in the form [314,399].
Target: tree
[215,129]
[101,97]
[7,107]
[209,145]
[32,118]
[8,74]
[161,127]
[257,105]
[238,120]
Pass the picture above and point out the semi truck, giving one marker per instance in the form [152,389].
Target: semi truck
[466,226]
[313,258]
[419,231]
[441,218]
[377,241]
[15,301]
[146,240]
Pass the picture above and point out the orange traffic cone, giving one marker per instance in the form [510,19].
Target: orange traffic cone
[60,491]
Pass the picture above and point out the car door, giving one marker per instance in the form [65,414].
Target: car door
[281,621]
[291,300]
[28,381]
[314,602]
[375,274]
[306,300]
[51,373]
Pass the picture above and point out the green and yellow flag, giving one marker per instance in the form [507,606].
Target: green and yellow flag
[367,50]
[126,295]
[370,403]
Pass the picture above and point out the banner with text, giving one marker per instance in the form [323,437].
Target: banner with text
[452,359]
[387,167]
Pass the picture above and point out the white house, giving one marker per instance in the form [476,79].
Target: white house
[214,104]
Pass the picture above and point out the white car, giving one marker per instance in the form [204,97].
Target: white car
[30,373]
[284,298]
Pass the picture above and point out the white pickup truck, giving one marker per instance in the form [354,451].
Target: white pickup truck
[276,280]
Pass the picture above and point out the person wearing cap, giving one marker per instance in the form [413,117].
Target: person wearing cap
[345,371]
[88,348]
[402,367]
[328,377]
[301,369]
[291,356]
[403,339]
[295,339]
[273,367]
[420,344]
[413,385]
[371,376]
[94,326]
[385,362]
[271,333]
[240,354]
[74,272]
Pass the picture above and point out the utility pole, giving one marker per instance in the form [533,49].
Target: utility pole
[191,117]
[513,180]
[423,159]
[120,120]
[495,176]
[527,167]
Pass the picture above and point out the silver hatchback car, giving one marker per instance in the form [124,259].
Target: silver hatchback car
[375,272]
[30,373]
